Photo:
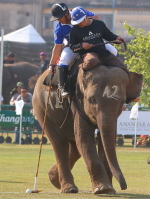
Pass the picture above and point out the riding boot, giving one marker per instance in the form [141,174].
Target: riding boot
[62,77]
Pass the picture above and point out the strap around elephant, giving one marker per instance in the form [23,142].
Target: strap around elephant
[82,113]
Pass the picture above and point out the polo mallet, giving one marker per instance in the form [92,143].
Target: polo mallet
[37,170]
[108,42]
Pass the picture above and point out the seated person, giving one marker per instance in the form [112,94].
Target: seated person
[88,32]
[25,96]
[16,92]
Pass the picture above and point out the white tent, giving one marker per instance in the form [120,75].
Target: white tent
[28,34]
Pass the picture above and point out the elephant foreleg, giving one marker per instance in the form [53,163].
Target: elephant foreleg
[84,135]
[53,172]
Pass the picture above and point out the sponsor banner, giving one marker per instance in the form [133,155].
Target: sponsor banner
[126,126]
[9,118]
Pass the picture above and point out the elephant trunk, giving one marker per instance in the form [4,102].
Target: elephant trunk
[107,126]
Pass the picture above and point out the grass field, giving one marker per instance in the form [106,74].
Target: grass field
[18,166]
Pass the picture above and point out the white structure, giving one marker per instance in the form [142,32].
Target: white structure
[28,34]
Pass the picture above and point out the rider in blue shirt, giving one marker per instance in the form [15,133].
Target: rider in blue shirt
[62,30]
[61,13]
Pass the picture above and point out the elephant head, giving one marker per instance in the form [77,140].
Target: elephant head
[101,93]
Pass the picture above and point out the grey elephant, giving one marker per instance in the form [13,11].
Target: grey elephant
[17,72]
[97,102]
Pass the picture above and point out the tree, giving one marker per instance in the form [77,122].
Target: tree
[137,58]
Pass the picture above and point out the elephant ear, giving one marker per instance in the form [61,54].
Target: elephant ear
[134,86]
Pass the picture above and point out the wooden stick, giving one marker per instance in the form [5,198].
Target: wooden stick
[108,42]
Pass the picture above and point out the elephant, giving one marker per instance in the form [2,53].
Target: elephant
[98,99]
[148,160]
[13,73]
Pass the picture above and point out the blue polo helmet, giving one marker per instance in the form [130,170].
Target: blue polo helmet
[78,14]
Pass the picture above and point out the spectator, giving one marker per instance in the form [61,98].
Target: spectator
[2,99]
[44,64]
[25,96]
[16,92]
[9,59]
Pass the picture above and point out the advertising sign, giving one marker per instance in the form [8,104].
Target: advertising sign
[8,118]
[126,126]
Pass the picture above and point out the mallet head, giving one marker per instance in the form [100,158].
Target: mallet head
[33,191]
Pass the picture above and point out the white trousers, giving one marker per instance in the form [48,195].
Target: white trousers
[112,49]
[68,55]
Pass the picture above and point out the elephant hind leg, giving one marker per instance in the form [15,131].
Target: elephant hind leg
[54,179]
[54,176]
[53,172]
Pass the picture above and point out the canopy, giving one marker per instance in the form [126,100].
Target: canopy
[28,34]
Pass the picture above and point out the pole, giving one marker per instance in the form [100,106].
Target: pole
[136,126]
[113,7]
[1,61]
[43,129]
[135,133]
[20,132]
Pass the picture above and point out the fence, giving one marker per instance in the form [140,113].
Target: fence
[28,52]
[10,122]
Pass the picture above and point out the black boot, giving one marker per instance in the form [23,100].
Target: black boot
[62,77]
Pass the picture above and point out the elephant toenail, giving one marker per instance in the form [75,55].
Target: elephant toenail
[103,188]
[96,190]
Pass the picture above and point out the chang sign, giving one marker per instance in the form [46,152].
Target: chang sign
[9,118]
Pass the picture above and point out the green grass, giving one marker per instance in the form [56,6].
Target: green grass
[18,166]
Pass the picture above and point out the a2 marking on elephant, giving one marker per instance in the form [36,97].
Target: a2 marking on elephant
[99,95]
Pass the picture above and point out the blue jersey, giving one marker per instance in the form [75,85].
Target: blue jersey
[62,31]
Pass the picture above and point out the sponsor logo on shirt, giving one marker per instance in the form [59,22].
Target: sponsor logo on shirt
[91,36]
[90,33]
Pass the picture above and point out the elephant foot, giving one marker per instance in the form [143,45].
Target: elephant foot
[107,189]
[72,189]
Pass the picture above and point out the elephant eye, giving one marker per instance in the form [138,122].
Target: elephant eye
[92,100]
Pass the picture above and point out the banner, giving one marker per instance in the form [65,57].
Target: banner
[9,119]
[134,111]
[126,126]
[19,106]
